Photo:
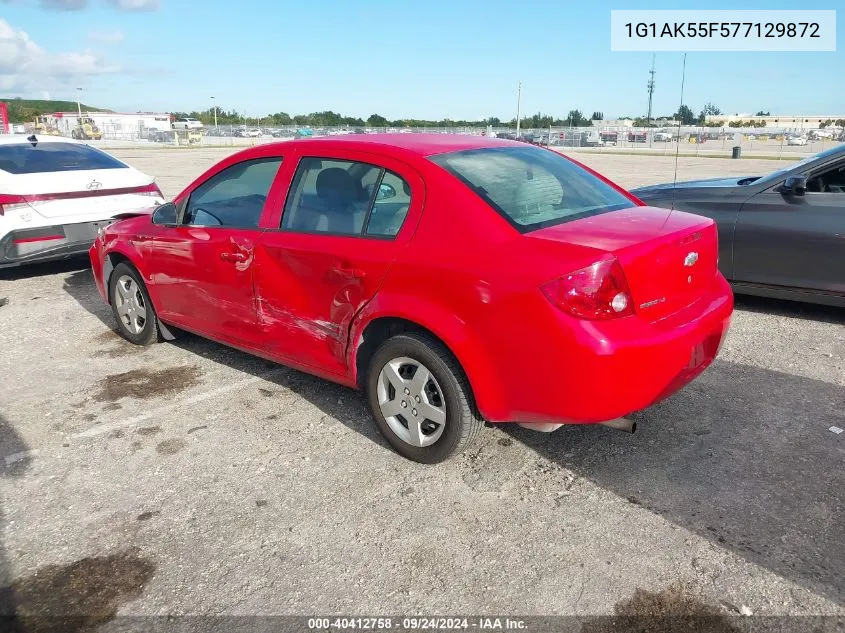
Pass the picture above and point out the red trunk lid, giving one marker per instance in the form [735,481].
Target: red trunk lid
[669,257]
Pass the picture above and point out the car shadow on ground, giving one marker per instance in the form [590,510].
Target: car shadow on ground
[341,403]
[795,309]
[78,262]
[80,285]
[14,462]
[742,457]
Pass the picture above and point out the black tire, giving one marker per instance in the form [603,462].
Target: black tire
[148,334]
[463,422]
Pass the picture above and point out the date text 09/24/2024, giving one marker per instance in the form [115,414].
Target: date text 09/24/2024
[417,623]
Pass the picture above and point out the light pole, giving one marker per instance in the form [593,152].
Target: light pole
[518,107]
[78,104]
[214,108]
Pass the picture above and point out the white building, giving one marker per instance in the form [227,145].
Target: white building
[115,125]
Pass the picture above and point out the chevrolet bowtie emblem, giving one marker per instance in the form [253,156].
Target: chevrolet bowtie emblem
[690,259]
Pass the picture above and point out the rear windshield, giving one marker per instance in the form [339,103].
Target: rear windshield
[23,158]
[532,187]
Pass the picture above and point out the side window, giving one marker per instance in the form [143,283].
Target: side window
[831,180]
[235,197]
[330,196]
[391,206]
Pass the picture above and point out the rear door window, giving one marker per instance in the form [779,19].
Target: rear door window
[391,205]
[344,197]
[23,158]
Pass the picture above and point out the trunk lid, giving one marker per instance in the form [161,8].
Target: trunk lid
[100,192]
[669,257]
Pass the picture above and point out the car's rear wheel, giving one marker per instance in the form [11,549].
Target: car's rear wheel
[131,306]
[421,399]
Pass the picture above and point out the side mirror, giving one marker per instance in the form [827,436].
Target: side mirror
[165,214]
[795,185]
[385,191]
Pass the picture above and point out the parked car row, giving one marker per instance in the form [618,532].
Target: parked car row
[344,257]
[367,277]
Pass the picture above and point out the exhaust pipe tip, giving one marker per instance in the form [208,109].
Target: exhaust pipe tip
[539,426]
[621,424]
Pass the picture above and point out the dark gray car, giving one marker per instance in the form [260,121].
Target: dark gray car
[781,235]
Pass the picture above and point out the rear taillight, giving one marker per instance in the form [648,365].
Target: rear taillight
[10,202]
[597,292]
[150,190]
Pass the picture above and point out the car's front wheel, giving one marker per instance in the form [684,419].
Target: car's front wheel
[421,399]
[131,306]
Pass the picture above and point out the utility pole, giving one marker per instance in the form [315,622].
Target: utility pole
[78,105]
[650,89]
[518,107]
[214,107]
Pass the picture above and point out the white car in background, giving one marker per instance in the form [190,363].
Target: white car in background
[187,124]
[796,140]
[822,134]
[56,193]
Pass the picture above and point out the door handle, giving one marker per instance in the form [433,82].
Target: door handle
[233,257]
[349,273]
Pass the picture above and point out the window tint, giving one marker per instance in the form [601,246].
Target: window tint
[532,187]
[235,197]
[47,157]
[821,157]
[831,180]
[331,196]
[390,207]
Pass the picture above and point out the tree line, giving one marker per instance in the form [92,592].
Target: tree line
[26,110]
[22,111]
[328,118]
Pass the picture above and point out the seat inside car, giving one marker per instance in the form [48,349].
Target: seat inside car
[333,208]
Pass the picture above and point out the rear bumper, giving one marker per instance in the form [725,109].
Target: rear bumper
[598,371]
[46,243]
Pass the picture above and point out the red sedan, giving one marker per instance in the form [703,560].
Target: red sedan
[453,279]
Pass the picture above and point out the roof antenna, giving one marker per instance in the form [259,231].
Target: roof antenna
[678,146]
[32,140]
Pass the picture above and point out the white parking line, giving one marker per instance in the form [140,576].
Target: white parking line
[107,428]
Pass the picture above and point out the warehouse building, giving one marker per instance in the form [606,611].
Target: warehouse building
[782,121]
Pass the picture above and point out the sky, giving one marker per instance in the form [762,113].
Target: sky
[458,59]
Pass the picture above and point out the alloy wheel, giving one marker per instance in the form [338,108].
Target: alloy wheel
[130,304]
[411,401]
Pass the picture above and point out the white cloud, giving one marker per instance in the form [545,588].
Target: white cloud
[135,5]
[26,68]
[59,5]
[106,37]
[78,5]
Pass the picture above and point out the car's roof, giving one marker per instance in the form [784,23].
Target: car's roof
[415,143]
[10,139]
